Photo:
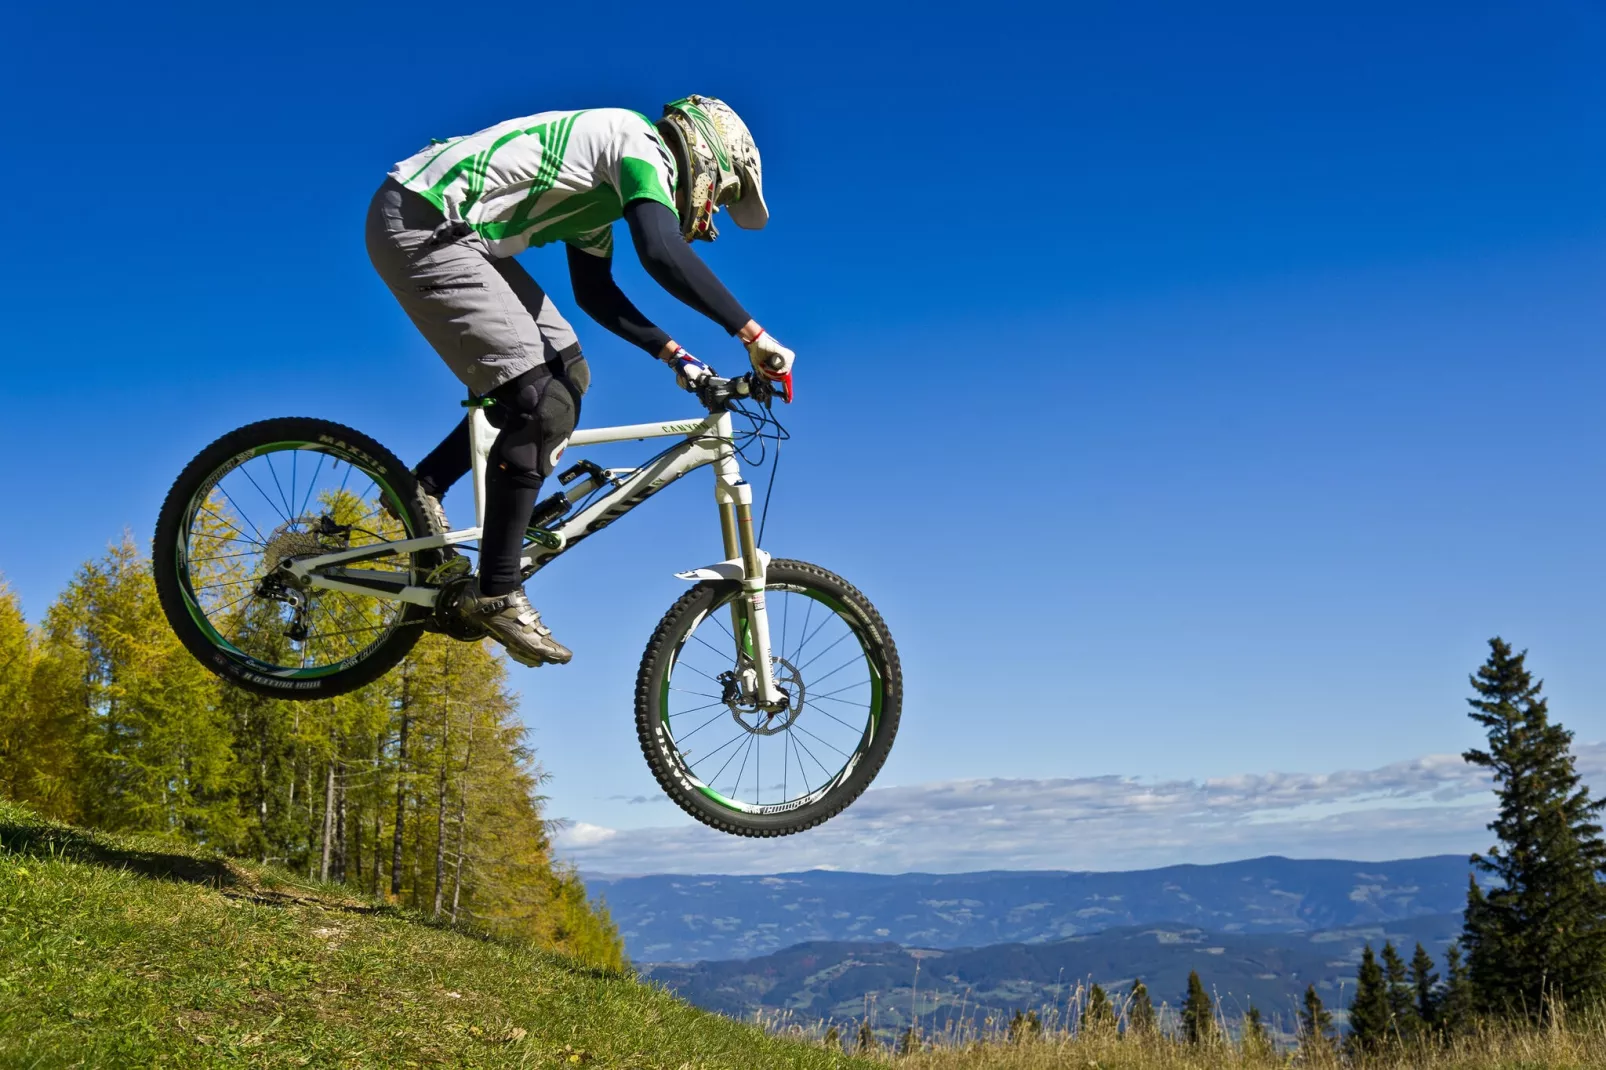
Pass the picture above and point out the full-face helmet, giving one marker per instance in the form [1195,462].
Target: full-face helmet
[719,166]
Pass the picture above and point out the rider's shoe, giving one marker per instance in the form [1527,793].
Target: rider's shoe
[514,623]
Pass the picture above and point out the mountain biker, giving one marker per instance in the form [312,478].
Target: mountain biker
[442,232]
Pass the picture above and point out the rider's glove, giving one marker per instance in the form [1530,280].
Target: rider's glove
[689,371]
[772,360]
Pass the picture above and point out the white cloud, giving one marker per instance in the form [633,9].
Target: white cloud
[1430,805]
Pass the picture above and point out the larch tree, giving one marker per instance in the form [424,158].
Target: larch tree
[1539,934]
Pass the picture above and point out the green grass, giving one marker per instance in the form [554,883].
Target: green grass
[126,951]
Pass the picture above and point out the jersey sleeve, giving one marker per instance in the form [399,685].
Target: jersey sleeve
[641,167]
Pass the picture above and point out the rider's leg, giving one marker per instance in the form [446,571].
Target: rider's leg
[537,414]
[449,461]
[492,324]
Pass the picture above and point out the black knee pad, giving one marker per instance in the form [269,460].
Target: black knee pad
[538,419]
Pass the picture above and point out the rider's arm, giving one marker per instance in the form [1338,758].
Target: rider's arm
[599,297]
[672,264]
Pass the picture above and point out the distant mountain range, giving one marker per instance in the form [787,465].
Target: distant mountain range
[669,919]
[841,981]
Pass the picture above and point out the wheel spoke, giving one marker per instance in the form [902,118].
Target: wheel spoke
[826,651]
[822,742]
[699,728]
[340,625]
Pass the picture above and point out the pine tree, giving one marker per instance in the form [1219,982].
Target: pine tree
[1540,933]
[1455,1003]
[1401,997]
[1369,1014]
[1425,988]
[866,1039]
[1098,1016]
[1256,1039]
[1315,1022]
[1198,1025]
[1024,1026]
[1140,1010]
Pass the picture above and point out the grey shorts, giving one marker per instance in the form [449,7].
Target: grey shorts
[485,316]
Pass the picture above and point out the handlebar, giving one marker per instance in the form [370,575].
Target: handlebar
[717,394]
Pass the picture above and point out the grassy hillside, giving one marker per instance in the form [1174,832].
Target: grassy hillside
[120,951]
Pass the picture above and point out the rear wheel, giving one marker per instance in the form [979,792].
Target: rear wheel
[755,773]
[265,495]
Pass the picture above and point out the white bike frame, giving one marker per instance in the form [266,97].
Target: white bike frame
[707,441]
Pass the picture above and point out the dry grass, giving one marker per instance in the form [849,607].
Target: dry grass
[1487,1049]
[986,1044]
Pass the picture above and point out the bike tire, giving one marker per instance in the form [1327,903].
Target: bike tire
[652,685]
[168,563]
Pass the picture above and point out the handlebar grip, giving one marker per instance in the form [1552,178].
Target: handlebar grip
[775,362]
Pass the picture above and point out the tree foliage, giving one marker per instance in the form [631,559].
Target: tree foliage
[1198,1022]
[1140,1017]
[420,787]
[1098,1016]
[1539,934]
[1315,1021]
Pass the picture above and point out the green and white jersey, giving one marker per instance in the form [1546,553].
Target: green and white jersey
[557,176]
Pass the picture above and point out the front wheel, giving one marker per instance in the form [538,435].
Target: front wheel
[770,773]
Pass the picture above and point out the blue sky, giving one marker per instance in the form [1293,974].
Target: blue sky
[1194,391]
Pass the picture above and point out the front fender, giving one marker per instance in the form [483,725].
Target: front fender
[724,570]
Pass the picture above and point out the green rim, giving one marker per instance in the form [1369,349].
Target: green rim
[877,697]
[181,561]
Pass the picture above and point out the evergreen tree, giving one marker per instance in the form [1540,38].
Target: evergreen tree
[1540,933]
[909,1042]
[1198,1025]
[1099,1015]
[1140,1010]
[1456,1004]
[1315,1022]
[1425,988]
[866,1039]
[1024,1026]
[1256,1039]
[1369,1013]
[1401,996]
[833,1039]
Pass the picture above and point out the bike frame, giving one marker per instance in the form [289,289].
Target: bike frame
[707,441]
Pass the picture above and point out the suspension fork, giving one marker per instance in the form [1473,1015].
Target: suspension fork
[750,621]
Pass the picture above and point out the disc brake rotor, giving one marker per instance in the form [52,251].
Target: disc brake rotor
[740,695]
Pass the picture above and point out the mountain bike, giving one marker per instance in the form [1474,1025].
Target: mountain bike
[292,557]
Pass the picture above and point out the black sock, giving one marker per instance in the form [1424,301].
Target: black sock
[507,513]
[446,463]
